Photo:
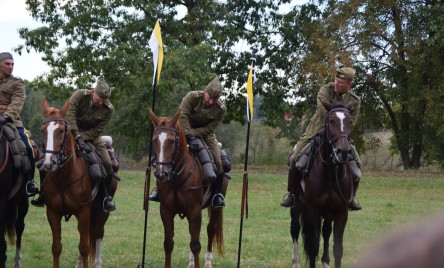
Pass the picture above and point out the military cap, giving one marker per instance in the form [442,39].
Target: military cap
[102,89]
[214,88]
[5,56]
[346,72]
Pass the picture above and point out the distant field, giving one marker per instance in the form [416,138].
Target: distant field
[390,200]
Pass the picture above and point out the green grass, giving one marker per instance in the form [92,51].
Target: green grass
[389,201]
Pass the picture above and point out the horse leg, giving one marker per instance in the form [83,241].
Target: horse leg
[326,232]
[295,228]
[2,249]
[195,223]
[56,228]
[22,210]
[338,233]
[83,225]
[168,242]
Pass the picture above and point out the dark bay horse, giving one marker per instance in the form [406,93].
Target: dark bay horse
[68,189]
[181,190]
[13,203]
[327,191]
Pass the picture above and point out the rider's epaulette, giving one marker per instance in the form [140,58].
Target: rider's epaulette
[86,92]
[355,96]
[198,93]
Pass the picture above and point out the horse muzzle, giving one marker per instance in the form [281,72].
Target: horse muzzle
[163,174]
[341,156]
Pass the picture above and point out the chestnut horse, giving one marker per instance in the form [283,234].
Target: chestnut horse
[181,190]
[326,191]
[68,189]
[13,203]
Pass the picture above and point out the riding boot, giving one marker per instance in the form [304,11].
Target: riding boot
[218,199]
[356,175]
[40,201]
[292,181]
[154,196]
[108,202]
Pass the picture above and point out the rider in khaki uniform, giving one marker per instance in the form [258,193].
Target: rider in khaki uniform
[202,112]
[89,113]
[12,99]
[331,92]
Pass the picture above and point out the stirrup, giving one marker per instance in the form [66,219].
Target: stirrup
[222,202]
[286,202]
[31,188]
[154,195]
[110,202]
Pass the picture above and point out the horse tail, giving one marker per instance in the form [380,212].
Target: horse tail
[11,218]
[311,233]
[216,223]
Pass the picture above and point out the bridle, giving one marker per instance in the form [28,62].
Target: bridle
[174,164]
[334,158]
[62,159]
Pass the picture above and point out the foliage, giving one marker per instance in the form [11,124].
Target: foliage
[396,47]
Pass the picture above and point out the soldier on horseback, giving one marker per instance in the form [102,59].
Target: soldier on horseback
[89,113]
[12,99]
[202,112]
[340,90]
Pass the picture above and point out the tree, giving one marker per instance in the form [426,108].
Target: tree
[86,39]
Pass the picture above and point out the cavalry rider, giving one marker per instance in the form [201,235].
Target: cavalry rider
[201,113]
[12,99]
[89,113]
[340,90]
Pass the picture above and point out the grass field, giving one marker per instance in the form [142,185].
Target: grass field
[389,201]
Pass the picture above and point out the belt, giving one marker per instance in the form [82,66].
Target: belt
[3,106]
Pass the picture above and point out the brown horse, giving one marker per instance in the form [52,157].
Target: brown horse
[327,191]
[13,203]
[68,189]
[181,190]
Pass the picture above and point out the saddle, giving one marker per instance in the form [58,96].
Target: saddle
[304,161]
[17,146]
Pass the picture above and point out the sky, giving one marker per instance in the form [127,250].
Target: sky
[14,16]
[28,65]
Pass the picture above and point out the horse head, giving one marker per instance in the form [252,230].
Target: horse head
[338,127]
[55,131]
[166,143]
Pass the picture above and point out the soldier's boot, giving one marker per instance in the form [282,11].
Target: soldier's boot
[218,199]
[154,196]
[356,176]
[40,201]
[290,198]
[108,202]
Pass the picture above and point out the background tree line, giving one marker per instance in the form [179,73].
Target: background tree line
[396,47]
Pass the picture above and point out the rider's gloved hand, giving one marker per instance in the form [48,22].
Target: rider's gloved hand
[4,119]
[192,143]
[82,145]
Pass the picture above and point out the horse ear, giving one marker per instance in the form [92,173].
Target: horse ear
[153,117]
[65,108]
[176,117]
[44,105]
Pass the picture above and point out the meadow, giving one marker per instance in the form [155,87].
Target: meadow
[390,201]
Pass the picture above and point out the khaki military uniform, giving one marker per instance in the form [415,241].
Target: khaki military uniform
[201,121]
[89,121]
[12,98]
[327,94]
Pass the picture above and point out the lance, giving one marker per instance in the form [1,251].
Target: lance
[244,203]
[156,47]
